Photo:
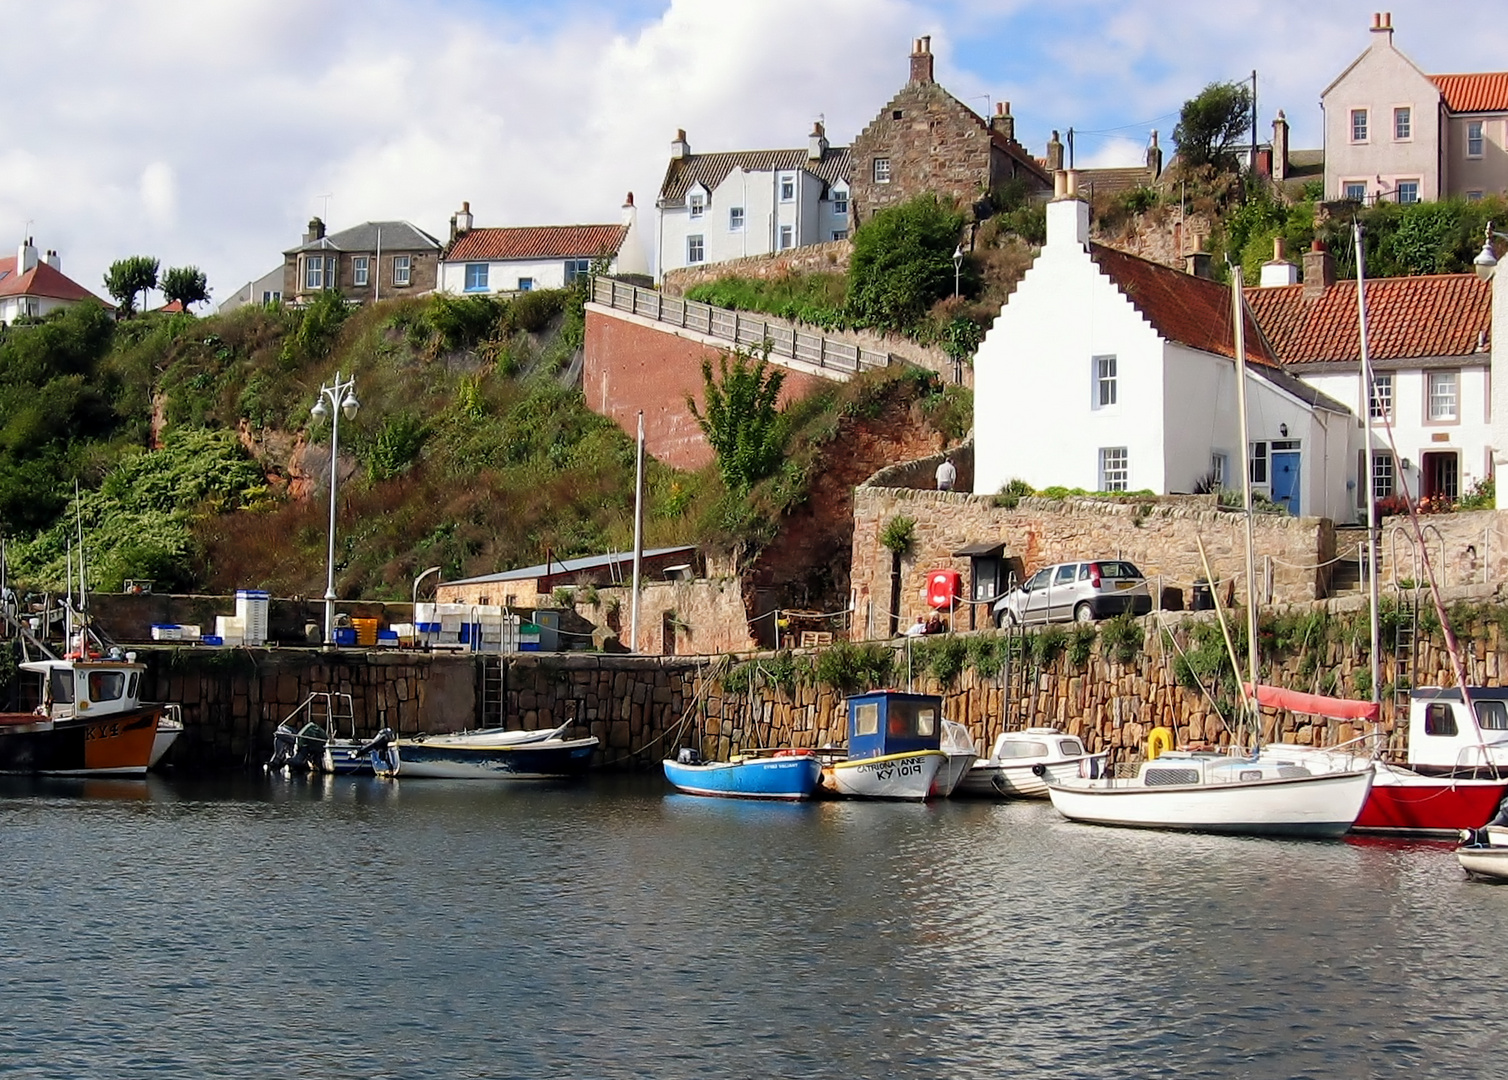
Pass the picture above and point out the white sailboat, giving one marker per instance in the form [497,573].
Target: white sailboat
[1260,795]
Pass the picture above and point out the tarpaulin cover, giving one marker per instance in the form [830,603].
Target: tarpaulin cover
[1277,697]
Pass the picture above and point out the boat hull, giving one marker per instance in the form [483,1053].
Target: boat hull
[790,778]
[1490,863]
[1309,806]
[1428,804]
[167,734]
[889,776]
[1018,781]
[119,744]
[422,759]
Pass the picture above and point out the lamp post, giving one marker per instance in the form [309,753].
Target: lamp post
[957,266]
[1486,262]
[342,397]
[421,577]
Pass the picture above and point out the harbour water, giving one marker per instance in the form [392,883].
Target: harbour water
[250,927]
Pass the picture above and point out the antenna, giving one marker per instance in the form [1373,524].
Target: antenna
[324,210]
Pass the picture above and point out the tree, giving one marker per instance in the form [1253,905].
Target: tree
[185,284]
[129,276]
[1210,123]
[742,421]
[903,263]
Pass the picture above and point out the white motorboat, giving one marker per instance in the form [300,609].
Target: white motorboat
[169,727]
[1205,792]
[449,757]
[1009,772]
[1484,852]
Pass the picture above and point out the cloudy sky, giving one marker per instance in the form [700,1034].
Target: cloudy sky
[207,132]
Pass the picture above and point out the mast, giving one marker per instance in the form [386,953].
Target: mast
[633,620]
[1238,313]
[1374,546]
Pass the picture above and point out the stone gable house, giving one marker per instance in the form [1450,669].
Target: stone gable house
[1393,132]
[926,140]
[732,204]
[1107,372]
[521,258]
[376,260]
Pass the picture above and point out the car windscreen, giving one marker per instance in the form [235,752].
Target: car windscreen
[1120,569]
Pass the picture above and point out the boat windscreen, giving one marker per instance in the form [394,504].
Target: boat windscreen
[866,719]
[1023,749]
[61,682]
[1492,715]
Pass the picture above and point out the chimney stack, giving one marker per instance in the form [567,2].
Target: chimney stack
[1382,28]
[816,143]
[54,260]
[1198,264]
[630,214]
[1319,271]
[460,223]
[679,147]
[1003,123]
[1067,214]
[1280,147]
[921,60]
[26,257]
[1154,156]
[316,231]
[1054,160]
[1279,271]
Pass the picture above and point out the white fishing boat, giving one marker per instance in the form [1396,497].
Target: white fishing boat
[1206,792]
[1010,770]
[958,744]
[894,747]
[169,727]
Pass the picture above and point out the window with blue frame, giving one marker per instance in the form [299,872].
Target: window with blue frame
[476,277]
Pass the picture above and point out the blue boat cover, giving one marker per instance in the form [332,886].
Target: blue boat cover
[890,722]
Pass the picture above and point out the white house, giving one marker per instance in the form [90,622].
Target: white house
[32,287]
[267,289]
[522,258]
[1108,372]
[721,206]
[1430,344]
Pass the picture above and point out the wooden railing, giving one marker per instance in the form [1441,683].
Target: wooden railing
[738,327]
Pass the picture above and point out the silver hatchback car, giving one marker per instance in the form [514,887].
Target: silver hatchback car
[1076,591]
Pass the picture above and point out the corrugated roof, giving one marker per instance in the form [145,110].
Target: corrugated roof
[1441,315]
[1485,91]
[394,236]
[1190,310]
[538,242]
[709,170]
[41,280]
[570,566]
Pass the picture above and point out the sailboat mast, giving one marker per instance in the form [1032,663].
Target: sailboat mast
[1374,547]
[1238,314]
[633,621]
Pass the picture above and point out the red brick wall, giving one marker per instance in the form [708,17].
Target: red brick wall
[629,366]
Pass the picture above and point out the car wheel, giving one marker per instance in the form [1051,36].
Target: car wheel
[1083,613]
[1006,619]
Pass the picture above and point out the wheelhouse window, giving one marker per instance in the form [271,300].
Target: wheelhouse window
[360,269]
[1440,719]
[1358,125]
[403,268]
[882,170]
[1403,123]
[1104,381]
[1474,138]
[866,719]
[696,249]
[1114,468]
[577,268]
[1012,749]
[106,685]
[1444,405]
[476,277]
[60,683]
[1492,715]
[1382,397]
[735,219]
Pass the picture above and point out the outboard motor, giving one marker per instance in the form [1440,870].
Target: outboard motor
[284,747]
[309,747]
[380,750]
[689,755]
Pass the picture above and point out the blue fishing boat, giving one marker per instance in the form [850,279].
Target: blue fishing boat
[787,775]
[894,748]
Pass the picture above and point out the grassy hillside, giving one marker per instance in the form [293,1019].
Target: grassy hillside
[200,466]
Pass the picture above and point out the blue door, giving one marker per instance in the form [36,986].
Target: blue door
[1285,479]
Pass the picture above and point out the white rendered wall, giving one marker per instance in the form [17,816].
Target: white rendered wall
[503,275]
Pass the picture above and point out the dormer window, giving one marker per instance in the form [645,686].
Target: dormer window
[840,203]
[787,189]
[698,204]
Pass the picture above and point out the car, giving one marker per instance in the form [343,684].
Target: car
[1076,591]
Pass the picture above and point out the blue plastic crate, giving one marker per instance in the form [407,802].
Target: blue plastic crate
[345,635]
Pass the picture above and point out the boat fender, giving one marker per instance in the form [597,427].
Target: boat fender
[1089,768]
[1159,742]
[1039,769]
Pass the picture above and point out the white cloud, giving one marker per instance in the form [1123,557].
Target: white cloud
[206,133]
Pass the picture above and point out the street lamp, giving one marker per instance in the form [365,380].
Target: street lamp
[421,577]
[1486,262]
[957,266]
[342,398]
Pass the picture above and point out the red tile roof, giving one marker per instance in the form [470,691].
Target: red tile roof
[538,242]
[1190,310]
[1407,318]
[1483,92]
[40,280]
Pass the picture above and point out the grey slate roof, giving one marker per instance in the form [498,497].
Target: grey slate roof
[396,236]
[570,566]
[709,170]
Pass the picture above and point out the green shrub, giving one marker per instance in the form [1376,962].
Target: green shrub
[1122,638]
[849,668]
[903,263]
[899,534]
[1081,641]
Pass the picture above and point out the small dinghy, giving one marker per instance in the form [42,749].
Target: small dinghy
[1484,852]
[786,774]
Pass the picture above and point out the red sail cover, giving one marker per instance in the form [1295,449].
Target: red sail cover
[1276,697]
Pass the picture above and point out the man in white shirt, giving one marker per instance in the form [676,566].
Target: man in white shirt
[946,474]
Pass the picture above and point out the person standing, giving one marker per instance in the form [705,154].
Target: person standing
[946,474]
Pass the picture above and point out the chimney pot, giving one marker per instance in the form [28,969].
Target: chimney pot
[1054,161]
[630,200]
[921,60]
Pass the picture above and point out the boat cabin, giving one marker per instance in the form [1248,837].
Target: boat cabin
[891,722]
[1044,743]
[1444,735]
[87,687]
[1181,767]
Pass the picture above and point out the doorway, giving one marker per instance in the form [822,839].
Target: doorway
[1440,475]
[1285,479]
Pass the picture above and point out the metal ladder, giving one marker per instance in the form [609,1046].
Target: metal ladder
[1405,649]
[492,692]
